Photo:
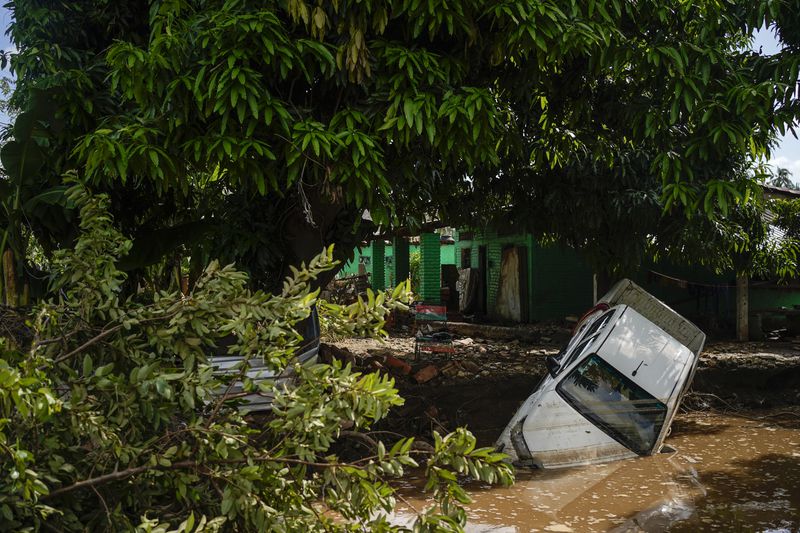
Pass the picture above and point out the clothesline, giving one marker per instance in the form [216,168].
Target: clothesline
[685,284]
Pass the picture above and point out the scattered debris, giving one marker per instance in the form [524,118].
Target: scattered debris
[470,366]
[347,290]
[330,352]
[395,363]
[450,369]
[426,374]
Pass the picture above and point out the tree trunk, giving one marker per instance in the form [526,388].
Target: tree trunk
[10,278]
[25,298]
[742,308]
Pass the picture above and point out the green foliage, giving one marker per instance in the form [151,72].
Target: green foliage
[414,261]
[27,200]
[113,419]
[268,118]
[783,178]
[758,237]
[363,318]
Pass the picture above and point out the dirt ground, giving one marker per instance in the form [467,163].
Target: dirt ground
[483,383]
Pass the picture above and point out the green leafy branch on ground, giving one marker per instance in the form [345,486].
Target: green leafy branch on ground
[113,419]
[364,318]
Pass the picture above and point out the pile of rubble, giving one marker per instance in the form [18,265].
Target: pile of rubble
[479,386]
[473,358]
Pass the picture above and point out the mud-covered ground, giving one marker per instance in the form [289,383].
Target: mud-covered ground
[483,383]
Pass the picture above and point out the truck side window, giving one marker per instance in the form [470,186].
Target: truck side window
[591,334]
[615,404]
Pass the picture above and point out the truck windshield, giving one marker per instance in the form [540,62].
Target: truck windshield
[614,403]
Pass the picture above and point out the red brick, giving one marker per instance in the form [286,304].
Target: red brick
[426,374]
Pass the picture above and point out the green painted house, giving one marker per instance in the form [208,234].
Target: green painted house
[387,262]
[516,279]
[552,282]
[549,282]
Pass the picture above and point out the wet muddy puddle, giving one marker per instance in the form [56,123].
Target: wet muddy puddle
[727,474]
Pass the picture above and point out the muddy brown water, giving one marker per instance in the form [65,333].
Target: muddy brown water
[727,473]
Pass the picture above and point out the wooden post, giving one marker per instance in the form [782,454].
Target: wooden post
[742,308]
[25,298]
[10,278]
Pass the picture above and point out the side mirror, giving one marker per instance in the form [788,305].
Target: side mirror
[552,365]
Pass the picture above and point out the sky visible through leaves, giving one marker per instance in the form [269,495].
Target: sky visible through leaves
[787,155]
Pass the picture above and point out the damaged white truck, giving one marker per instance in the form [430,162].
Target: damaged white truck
[613,391]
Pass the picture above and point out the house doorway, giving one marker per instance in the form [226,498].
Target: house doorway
[512,296]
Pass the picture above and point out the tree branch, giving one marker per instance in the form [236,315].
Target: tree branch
[105,333]
[97,338]
[184,465]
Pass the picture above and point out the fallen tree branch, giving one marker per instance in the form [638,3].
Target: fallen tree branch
[181,465]
[360,436]
[105,333]
[118,475]
[97,338]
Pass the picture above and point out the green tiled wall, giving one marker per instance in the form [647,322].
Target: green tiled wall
[378,269]
[447,257]
[430,267]
[559,284]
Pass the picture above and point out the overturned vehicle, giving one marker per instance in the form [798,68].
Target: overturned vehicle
[233,370]
[613,391]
